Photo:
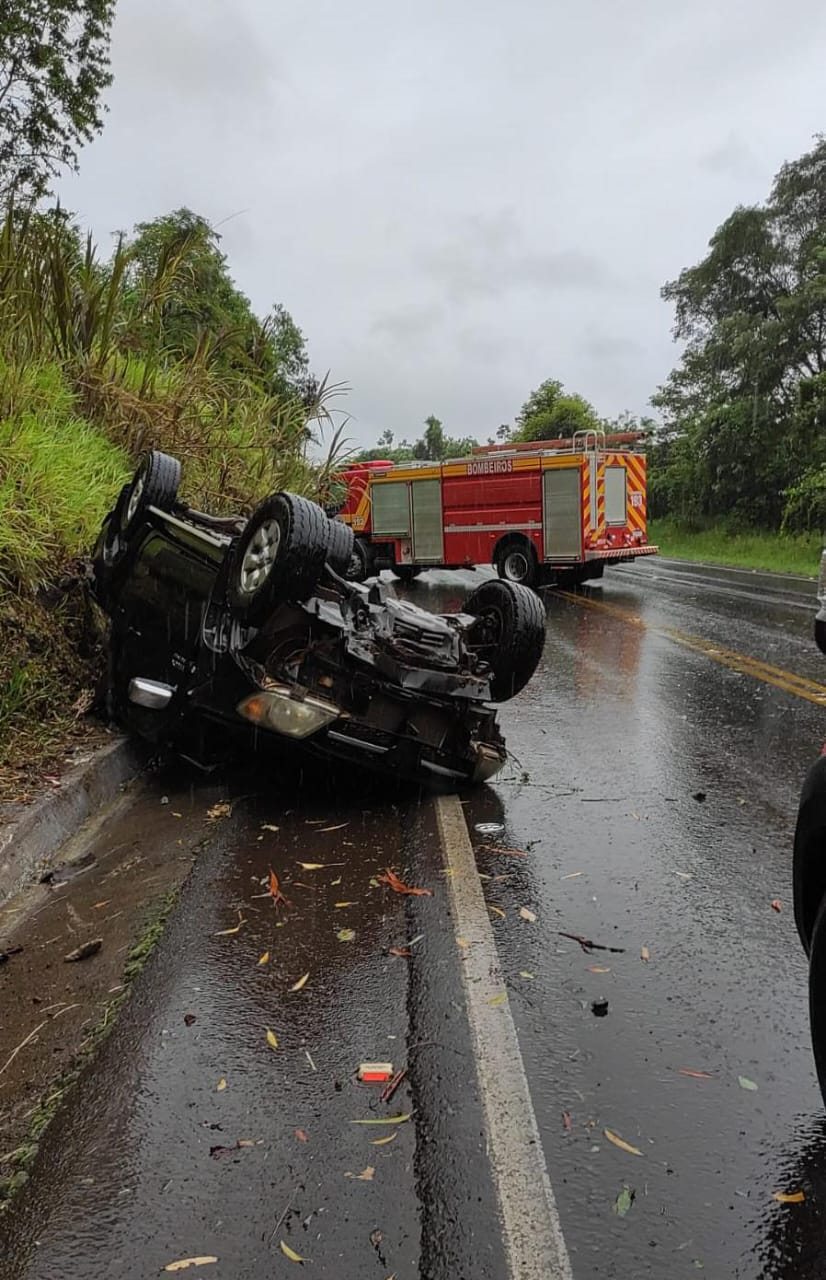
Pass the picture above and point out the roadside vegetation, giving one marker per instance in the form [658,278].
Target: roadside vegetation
[796,553]
[101,358]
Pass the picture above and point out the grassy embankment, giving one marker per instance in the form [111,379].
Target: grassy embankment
[754,549]
[86,384]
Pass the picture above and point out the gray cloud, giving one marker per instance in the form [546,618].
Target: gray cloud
[457,201]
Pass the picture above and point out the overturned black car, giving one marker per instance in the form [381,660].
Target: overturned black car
[253,624]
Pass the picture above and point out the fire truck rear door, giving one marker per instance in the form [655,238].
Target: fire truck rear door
[562,513]
[428,529]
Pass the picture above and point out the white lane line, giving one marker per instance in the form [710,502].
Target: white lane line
[532,1234]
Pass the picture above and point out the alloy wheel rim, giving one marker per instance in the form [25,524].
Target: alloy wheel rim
[260,556]
[134,499]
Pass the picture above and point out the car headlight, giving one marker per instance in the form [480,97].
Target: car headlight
[280,711]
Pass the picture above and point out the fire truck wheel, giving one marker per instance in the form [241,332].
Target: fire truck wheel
[509,634]
[406,573]
[279,556]
[339,547]
[516,562]
[361,562]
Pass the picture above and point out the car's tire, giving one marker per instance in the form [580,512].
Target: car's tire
[510,634]
[362,566]
[516,561]
[407,573]
[339,547]
[817,995]
[279,556]
[155,484]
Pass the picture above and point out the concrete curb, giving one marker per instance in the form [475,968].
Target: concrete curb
[42,827]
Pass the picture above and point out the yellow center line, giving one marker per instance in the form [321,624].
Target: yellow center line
[798,686]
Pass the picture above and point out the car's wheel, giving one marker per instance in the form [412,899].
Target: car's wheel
[407,573]
[516,562]
[155,484]
[279,556]
[817,995]
[509,634]
[361,562]
[339,547]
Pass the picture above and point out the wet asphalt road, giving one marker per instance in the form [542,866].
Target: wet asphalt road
[627,721]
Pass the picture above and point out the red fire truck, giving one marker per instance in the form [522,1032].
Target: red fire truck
[551,512]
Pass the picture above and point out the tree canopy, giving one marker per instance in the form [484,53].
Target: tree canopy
[433,445]
[54,69]
[745,409]
[549,412]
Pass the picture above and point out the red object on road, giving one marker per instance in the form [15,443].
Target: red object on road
[375,1072]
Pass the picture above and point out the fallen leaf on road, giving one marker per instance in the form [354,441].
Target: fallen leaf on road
[621,1143]
[398,886]
[528,915]
[498,910]
[684,875]
[312,866]
[386,1119]
[218,811]
[463,943]
[274,889]
[776,904]
[346,935]
[265,958]
[245,1142]
[645,954]
[340,827]
[183,1263]
[302,1135]
[598,968]
[272,1039]
[789,1197]
[745,1083]
[84,951]
[404,952]
[624,1201]
[291,1253]
[500,999]
[335,882]
[339,905]
[224,933]
[97,906]
[268,826]
[566,1120]
[366,1175]
[189,1018]
[572,875]
[525,973]
[221,1085]
[382,1142]
[695,1075]
[301,982]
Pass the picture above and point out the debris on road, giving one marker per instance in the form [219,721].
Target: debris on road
[789,1197]
[219,811]
[599,1008]
[272,1039]
[291,1253]
[588,944]
[183,1263]
[375,1072]
[366,1175]
[745,1083]
[624,1201]
[489,828]
[224,933]
[695,1075]
[278,899]
[302,1135]
[84,951]
[386,1119]
[189,1018]
[699,796]
[346,935]
[566,1121]
[264,959]
[776,904]
[621,1143]
[221,1085]
[645,954]
[398,886]
[404,952]
[382,1142]
[302,981]
[526,914]
[387,1093]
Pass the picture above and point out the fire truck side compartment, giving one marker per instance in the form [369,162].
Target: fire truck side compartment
[428,538]
[562,512]
[616,502]
[391,509]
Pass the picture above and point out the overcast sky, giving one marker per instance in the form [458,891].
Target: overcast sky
[456,199]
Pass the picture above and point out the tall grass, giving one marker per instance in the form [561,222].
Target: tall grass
[740,548]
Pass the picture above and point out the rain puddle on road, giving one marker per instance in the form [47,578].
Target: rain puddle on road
[224,1117]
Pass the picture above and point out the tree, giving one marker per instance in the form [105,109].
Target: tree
[54,68]
[549,413]
[206,302]
[432,445]
[746,401]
